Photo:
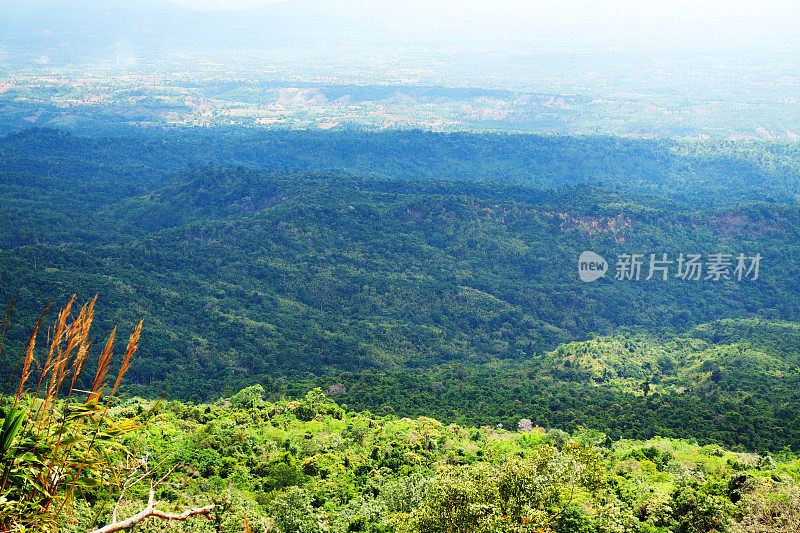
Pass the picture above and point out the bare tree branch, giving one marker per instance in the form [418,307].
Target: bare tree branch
[149,511]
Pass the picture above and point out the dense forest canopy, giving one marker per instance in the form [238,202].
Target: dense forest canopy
[415,271]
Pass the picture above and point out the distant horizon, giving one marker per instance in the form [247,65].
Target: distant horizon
[680,23]
[681,69]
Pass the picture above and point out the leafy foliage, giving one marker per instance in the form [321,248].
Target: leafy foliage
[363,472]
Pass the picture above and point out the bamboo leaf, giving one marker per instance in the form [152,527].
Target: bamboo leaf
[11,426]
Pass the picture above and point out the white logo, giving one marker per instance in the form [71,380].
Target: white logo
[591,267]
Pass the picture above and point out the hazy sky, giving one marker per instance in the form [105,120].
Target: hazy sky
[725,19]
[223,4]
[766,9]
[688,24]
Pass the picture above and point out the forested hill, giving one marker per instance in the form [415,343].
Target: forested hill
[722,172]
[293,276]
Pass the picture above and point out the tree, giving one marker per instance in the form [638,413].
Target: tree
[293,512]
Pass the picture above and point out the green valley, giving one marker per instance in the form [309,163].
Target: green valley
[453,298]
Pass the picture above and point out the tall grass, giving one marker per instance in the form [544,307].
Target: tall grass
[57,439]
